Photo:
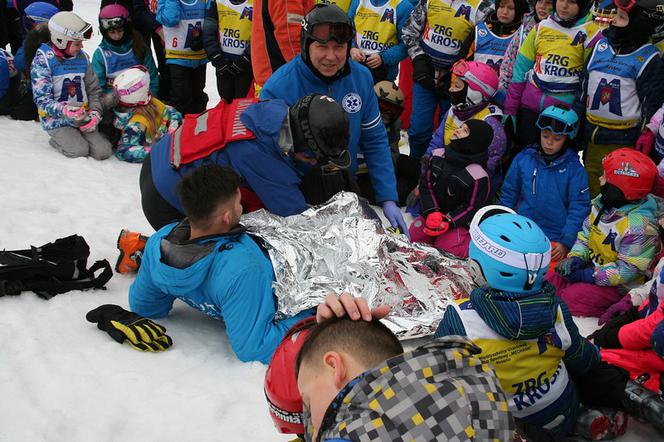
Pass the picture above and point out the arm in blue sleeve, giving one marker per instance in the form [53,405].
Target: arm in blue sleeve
[248,308]
[99,67]
[376,148]
[149,63]
[393,55]
[450,324]
[581,355]
[509,194]
[19,60]
[145,298]
[4,77]
[169,12]
[578,208]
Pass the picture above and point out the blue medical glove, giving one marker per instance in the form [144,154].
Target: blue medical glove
[582,275]
[394,216]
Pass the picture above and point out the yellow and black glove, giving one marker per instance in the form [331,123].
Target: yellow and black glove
[143,334]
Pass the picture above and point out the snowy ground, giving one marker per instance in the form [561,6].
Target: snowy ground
[61,379]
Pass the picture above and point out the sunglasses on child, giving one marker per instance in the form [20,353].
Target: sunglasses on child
[339,32]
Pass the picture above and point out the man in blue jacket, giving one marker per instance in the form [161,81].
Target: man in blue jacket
[208,261]
[324,66]
[273,154]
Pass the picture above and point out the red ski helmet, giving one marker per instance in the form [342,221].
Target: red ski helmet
[631,171]
[281,392]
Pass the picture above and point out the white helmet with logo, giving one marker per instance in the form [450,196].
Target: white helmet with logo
[66,27]
[133,86]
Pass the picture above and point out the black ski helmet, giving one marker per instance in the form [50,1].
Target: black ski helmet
[318,123]
[339,27]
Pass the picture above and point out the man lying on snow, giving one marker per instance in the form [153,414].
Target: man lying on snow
[208,261]
[289,156]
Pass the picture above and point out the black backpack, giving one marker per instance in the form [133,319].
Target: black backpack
[51,269]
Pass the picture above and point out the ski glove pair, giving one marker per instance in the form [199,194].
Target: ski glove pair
[121,325]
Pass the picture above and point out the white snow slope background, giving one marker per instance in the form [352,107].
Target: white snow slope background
[62,379]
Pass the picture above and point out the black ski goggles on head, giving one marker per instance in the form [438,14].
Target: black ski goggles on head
[113,23]
[556,126]
[324,32]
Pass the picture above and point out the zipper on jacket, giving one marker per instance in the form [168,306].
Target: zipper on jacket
[534,181]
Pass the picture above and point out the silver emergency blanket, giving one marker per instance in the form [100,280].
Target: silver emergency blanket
[340,246]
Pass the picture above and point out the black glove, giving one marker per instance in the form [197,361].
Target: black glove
[218,61]
[423,73]
[142,333]
[630,315]
[240,64]
[606,337]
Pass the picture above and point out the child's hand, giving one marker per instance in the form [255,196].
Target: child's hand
[374,60]
[76,113]
[558,252]
[357,55]
[356,308]
[645,142]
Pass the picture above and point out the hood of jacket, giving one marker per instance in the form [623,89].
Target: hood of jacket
[425,382]
[265,118]
[516,315]
[183,263]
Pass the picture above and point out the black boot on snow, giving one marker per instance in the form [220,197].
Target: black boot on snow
[644,404]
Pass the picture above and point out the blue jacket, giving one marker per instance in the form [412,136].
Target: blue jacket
[4,76]
[556,196]
[232,282]
[100,68]
[261,162]
[355,93]
[392,56]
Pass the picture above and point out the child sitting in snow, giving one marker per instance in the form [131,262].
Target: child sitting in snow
[357,385]
[523,329]
[547,183]
[142,118]
[619,239]
[66,91]
[453,186]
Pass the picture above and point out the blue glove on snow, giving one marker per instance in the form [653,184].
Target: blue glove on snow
[394,216]
[582,275]
[569,265]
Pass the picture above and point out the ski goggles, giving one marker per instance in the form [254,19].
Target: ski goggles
[389,110]
[82,34]
[109,24]
[556,126]
[324,32]
[625,5]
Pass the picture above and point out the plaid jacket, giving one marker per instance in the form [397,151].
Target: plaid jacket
[440,391]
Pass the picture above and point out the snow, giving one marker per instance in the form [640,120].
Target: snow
[61,378]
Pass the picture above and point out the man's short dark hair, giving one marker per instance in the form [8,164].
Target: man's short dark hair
[202,191]
[370,343]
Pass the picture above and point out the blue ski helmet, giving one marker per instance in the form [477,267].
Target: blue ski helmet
[37,13]
[559,120]
[508,251]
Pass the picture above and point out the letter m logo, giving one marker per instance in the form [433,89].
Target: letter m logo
[247,12]
[388,15]
[579,38]
[463,10]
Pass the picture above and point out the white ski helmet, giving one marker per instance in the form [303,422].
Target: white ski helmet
[66,27]
[133,86]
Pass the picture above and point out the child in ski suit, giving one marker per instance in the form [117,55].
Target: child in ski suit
[473,86]
[121,48]
[548,67]
[542,9]
[524,330]
[227,40]
[185,52]
[618,241]
[433,35]
[547,183]
[9,81]
[356,384]
[66,90]
[623,85]
[142,118]
[453,186]
[378,42]
[488,44]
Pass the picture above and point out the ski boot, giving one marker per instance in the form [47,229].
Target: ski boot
[131,245]
[643,403]
[600,424]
